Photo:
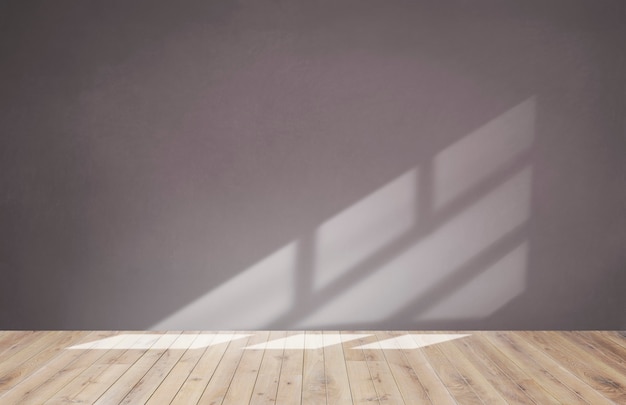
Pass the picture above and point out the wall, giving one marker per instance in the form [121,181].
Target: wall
[313,164]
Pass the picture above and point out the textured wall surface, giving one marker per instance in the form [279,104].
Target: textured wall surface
[312,164]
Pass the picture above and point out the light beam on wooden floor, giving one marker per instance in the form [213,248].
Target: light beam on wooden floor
[412,341]
[153,341]
[313,341]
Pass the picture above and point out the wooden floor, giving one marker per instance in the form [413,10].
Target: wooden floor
[103,367]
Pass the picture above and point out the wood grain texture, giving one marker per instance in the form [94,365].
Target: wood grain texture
[454,381]
[337,383]
[312,367]
[433,385]
[509,389]
[132,378]
[523,378]
[407,380]
[313,373]
[290,380]
[548,376]
[216,389]
[361,383]
[23,363]
[70,392]
[266,385]
[593,371]
[55,372]
[167,390]
[152,379]
[242,385]
[382,377]
[488,393]
[202,373]
[12,340]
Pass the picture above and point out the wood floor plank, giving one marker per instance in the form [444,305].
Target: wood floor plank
[407,380]
[337,383]
[112,370]
[579,387]
[451,378]
[53,375]
[511,392]
[193,387]
[601,343]
[17,354]
[384,382]
[29,359]
[470,373]
[313,372]
[434,387]
[91,373]
[290,381]
[362,386]
[619,337]
[349,344]
[577,344]
[278,367]
[169,387]
[598,375]
[133,374]
[20,366]
[12,338]
[382,377]
[526,359]
[520,376]
[21,344]
[217,387]
[146,386]
[242,385]
[7,337]
[266,385]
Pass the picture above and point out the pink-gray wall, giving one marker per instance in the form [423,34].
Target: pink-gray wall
[313,164]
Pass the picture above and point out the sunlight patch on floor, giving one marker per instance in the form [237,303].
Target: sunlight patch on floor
[302,341]
[153,341]
[311,341]
[412,341]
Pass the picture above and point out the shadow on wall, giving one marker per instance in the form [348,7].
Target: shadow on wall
[263,164]
[446,240]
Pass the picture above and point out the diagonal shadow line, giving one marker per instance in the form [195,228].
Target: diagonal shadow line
[447,286]
[464,274]
[419,232]
[453,324]
[425,191]
[305,264]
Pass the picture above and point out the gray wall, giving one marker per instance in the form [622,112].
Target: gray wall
[318,164]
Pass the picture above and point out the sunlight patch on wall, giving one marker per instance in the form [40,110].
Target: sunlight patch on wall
[367,226]
[420,267]
[487,292]
[253,298]
[473,158]
[376,260]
